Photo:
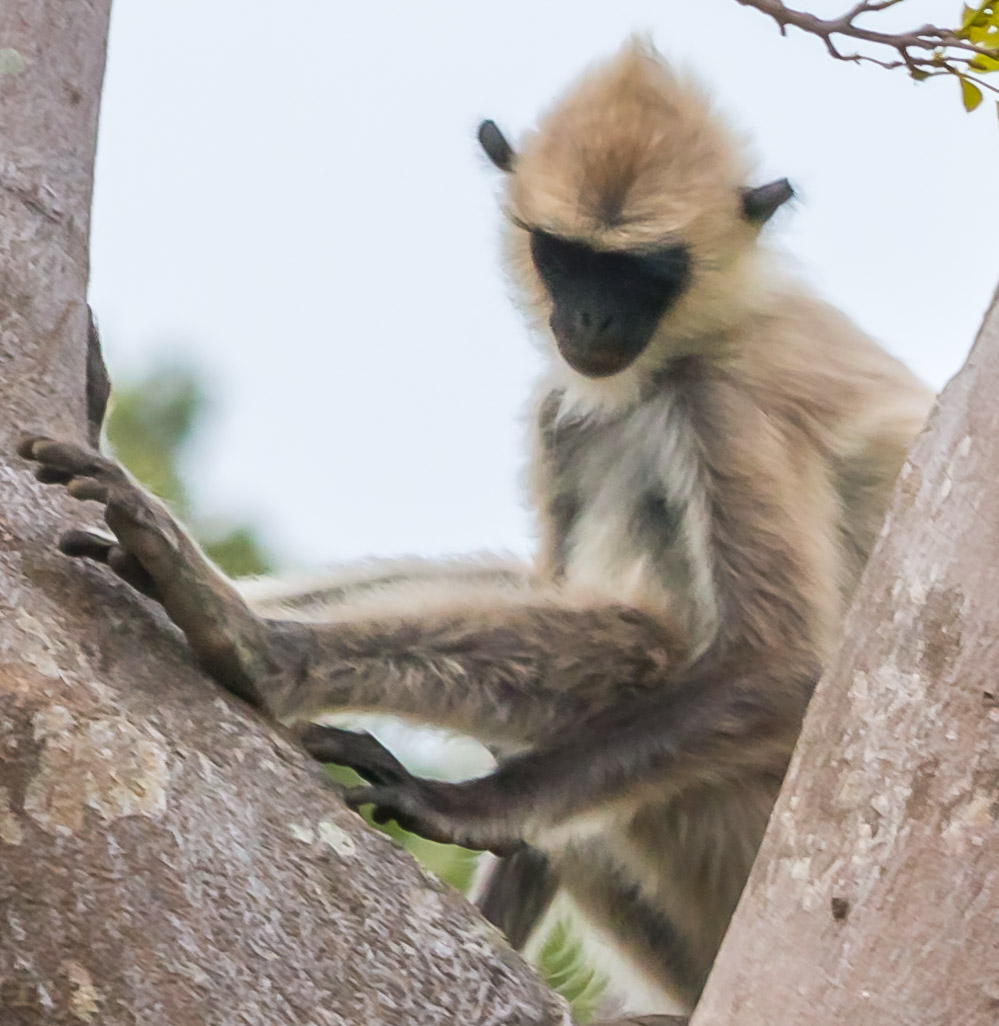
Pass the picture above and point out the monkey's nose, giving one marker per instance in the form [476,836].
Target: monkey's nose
[593,323]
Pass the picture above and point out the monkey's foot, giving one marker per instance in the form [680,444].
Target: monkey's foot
[439,811]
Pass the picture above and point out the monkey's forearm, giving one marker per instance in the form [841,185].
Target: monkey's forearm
[485,661]
[703,732]
[706,732]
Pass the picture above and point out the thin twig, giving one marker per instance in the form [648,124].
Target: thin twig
[922,51]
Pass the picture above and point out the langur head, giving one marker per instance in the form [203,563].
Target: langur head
[632,224]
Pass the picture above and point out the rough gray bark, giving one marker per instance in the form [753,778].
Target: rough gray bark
[875,896]
[165,858]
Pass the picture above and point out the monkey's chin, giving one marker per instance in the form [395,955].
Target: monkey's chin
[597,363]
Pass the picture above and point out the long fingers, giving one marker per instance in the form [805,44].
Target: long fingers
[65,456]
[359,751]
[52,475]
[101,549]
[86,474]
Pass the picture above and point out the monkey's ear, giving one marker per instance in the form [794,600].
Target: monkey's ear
[498,150]
[761,203]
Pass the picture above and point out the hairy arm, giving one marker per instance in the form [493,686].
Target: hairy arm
[501,666]
[497,661]
[774,511]
[715,727]
[593,689]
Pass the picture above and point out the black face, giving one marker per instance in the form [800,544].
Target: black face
[606,305]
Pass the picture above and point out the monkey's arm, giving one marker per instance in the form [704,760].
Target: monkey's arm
[714,727]
[499,663]
[592,687]
[508,668]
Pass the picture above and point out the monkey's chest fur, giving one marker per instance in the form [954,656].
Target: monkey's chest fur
[627,500]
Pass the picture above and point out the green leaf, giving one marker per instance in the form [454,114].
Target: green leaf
[985,34]
[562,964]
[983,63]
[919,76]
[975,17]
[971,94]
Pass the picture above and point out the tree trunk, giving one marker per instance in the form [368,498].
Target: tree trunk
[875,896]
[166,858]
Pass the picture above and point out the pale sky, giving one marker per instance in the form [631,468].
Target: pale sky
[290,196]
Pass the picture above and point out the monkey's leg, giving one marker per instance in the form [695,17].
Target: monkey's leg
[517,893]
[153,554]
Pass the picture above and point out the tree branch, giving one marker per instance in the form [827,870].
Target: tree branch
[924,52]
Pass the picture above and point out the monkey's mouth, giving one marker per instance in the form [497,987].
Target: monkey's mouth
[599,342]
[601,361]
[596,365]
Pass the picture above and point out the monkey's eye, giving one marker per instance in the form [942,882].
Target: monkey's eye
[667,263]
[643,274]
[559,259]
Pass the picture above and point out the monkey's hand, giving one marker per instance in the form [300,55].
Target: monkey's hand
[425,807]
[429,808]
[357,750]
[439,811]
[433,809]
[152,553]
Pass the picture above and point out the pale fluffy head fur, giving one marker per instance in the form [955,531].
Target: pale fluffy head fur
[635,155]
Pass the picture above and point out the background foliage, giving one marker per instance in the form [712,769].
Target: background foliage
[150,426]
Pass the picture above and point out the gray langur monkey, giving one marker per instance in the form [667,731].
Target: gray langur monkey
[713,450]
